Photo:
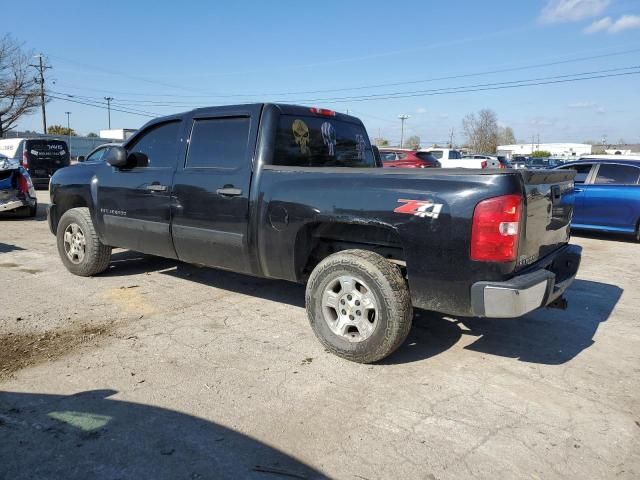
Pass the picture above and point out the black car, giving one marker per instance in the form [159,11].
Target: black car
[295,193]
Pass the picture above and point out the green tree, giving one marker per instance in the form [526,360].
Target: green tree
[60,130]
[92,135]
[541,154]
[381,142]
[413,142]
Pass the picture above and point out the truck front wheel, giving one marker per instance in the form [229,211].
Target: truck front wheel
[80,249]
[359,305]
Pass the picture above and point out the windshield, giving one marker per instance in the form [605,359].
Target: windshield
[308,141]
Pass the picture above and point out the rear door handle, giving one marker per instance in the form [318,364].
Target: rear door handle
[229,192]
[156,187]
[577,190]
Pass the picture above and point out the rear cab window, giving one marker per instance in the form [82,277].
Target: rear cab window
[308,141]
[454,155]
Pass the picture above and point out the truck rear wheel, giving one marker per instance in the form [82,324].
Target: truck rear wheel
[80,249]
[359,305]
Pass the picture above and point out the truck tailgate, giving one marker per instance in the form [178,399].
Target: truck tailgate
[549,208]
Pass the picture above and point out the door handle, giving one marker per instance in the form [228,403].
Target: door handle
[577,190]
[156,187]
[229,191]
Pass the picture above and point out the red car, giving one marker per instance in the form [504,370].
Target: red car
[405,158]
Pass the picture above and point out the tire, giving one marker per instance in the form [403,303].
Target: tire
[637,236]
[33,211]
[87,255]
[376,282]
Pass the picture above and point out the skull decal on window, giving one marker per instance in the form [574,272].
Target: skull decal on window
[301,135]
[329,137]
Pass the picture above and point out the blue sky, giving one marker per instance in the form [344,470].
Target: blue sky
[164,57]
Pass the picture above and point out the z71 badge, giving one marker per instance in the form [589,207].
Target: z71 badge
[420,208]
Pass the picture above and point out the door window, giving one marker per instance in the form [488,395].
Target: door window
[582,172]
[157,147]
[617,174]
[218,143]
[437,153]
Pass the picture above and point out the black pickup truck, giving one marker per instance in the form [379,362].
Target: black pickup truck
[295,193]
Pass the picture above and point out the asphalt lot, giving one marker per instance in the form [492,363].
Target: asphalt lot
[158,369]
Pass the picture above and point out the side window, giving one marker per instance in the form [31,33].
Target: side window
[454,155]
[582,171]
[157,147]
[402,156]
[617,174]
[436,153]
[388,156]
[218,143]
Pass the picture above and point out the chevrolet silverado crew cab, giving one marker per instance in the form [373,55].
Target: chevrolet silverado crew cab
[294,193]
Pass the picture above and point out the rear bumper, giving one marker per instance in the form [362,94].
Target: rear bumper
[528,291]
[12,205]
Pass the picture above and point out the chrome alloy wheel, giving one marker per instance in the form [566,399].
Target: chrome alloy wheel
[349,308]
[74,243]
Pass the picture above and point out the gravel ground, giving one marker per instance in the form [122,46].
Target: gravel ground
[158,369]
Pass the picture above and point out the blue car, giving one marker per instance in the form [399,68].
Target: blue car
[607,194]
[17,193]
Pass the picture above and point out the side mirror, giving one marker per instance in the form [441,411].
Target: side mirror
[81,158]
[116,157]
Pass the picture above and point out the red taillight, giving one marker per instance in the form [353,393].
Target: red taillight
[323,111]
[25,159]
[23,185]
[496,229]
[483,164]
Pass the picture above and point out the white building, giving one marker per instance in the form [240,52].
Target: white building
[560,150]
[120,134]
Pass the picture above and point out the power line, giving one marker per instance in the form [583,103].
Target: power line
[574,77]
[380,85]
[445,90]
[103,106]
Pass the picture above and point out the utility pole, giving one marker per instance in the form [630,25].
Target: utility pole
[108,99]
[69,131]
[538,142]
[41,67]
[451,138]
[402,118]
[532,143]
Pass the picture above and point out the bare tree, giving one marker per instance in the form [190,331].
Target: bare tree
[506,136]
[481,131]
[413,142]
[18,86]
